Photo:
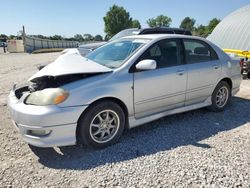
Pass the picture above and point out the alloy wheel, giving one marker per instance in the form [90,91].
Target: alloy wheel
[104,126]
[222,97]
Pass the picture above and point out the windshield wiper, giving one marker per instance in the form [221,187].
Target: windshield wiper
[109,66]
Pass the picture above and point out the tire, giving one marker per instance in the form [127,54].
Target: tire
[96,129]
[244,76]
[221,97]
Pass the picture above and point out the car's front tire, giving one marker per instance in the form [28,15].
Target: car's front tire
[101,125]
[220,97]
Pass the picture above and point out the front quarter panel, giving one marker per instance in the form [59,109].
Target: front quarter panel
[114,84]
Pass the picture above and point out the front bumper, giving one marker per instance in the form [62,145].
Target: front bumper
[59,123]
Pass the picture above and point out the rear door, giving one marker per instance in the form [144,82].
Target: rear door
[203,70]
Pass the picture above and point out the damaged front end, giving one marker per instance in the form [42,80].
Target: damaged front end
[46,82]
[45,87]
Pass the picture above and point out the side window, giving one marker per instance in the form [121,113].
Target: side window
[198,51]
[166,53]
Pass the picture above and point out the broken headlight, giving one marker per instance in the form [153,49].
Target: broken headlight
[49,96]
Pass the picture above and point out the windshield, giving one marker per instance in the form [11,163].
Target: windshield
[113,54]
[124,33]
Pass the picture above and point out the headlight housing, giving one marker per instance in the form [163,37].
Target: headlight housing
[49,96]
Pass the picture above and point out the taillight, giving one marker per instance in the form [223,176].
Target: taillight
[241,62]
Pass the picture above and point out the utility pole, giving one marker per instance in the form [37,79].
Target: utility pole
[4,50]
[24,39]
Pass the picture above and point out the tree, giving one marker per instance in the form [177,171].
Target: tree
[188,23]
[159,21]
[56,37]
[3,36]
[136,24]
[12,37]
[88,37]
[200,30]
[71,39]
[41,36]
[204,31]
[116,19]
[212,24]
[78,37]
[98,38]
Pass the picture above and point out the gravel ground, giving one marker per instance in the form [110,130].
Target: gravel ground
[193,149]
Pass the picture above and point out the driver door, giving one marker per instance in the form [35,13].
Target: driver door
[164,88]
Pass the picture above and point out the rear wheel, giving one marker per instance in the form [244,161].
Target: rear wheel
[220,97]
[244,75]
[101,125]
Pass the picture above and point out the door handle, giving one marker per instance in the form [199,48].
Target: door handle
[180,72]
[216,66]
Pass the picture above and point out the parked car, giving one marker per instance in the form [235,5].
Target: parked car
[86,48]
[245,66]
[243,57]
[3,44]
[125,83]
[246,70]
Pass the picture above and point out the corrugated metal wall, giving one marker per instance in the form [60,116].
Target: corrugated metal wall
[233,32]
[32,44]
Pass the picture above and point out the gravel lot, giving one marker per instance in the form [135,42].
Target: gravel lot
[193,149]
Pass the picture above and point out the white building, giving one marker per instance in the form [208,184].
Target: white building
[233,32]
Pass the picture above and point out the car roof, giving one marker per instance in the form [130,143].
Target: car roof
[157,37]
[160,30]
[161,36]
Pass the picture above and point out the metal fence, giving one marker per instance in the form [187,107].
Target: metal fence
[31,44]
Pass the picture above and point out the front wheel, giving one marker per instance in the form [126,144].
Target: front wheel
[101,125]
[220,97]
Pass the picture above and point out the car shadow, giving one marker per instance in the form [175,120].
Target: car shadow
[189,128]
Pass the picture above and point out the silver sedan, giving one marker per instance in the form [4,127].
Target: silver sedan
[123,84]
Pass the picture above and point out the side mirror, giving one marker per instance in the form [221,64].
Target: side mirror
[147,64]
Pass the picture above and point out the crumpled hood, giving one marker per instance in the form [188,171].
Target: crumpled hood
[70,64]
[70,51]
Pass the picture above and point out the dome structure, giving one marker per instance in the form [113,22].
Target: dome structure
[233,32]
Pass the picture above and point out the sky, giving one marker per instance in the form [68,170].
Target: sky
[70,17]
